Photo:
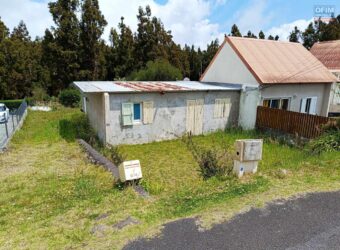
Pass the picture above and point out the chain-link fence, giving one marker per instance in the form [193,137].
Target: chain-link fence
[14,121]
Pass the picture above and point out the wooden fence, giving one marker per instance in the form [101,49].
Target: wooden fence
[290,122]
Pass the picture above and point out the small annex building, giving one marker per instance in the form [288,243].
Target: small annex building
[286,74]
[329,54]
[124,112]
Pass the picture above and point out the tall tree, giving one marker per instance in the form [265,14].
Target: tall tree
[309,36]
[250,35]
[295,35]
[92,26]
[63,43]
[261,35]
[235,31]
[21,32]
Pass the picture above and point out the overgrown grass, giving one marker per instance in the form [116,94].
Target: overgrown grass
[52,196]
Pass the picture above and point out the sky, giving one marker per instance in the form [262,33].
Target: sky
[191,21]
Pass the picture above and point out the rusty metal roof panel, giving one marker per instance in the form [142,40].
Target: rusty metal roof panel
[278,62]
[151,86]
[328,53]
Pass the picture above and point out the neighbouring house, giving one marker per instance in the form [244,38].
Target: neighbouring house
[139,112]
[285,74]
[329,54]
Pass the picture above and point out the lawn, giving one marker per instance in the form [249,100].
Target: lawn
[53,197]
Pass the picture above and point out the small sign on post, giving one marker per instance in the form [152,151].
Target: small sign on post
[130,170]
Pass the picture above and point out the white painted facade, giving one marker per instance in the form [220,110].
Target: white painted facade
[227,67]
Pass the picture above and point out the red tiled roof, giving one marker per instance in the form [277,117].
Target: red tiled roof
[328,53]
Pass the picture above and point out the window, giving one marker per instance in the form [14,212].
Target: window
[136,113]
[308,105]
[277,103]
[222,108]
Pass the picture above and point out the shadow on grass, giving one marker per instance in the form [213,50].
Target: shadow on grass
[76,127]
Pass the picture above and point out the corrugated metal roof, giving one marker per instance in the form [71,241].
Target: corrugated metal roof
[277,62]
[328,53]
[150,86]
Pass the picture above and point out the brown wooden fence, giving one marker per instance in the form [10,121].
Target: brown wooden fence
[290,122]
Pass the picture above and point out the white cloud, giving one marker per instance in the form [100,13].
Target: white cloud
[254,17]
[34,14]
[284,30]
[188,21]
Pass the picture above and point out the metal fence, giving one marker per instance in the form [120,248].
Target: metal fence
[8,128]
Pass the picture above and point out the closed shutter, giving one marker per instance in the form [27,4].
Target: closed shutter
[303,105]
[218,108]
[190,119]
[226,108]
[312,109]
[127,114]
[199,116]
[148,112]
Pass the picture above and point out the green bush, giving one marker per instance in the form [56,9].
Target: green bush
[329,139]
[12,104]
[212,161]
[69,97]
[39,94]
[159,70]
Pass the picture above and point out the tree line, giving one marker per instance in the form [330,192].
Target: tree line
[73,49]
[317,31]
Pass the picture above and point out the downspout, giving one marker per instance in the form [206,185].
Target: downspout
[106,107]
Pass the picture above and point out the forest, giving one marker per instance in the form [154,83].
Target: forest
[74,49]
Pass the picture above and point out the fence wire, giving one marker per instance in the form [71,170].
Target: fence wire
[8,128]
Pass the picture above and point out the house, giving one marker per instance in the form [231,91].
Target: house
[329,54]
[139,112]
[286,75]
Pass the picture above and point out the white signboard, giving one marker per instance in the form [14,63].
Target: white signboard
[130,170]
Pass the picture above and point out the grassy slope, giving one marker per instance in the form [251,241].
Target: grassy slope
[51,196]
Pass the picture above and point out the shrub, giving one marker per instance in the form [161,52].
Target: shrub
[329,139]
[69,97]
[212,161]
[12,104]
[159,70]
[39,95]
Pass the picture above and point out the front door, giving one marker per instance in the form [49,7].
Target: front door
[195,116]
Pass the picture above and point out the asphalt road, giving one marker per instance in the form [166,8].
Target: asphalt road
[310,222]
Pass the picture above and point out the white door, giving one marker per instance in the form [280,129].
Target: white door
[194,119]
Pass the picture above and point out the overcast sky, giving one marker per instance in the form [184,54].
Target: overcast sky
[191,21]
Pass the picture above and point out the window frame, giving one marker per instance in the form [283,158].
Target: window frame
[140,120]
[280,102]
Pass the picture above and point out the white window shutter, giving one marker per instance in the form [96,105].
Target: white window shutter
[312,109]
[199,116]
[148,112]
[226,108]
[127,114]
[219,108]
[190,119]
[303,105]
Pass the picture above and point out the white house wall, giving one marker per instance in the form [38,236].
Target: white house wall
[228,68]
[169,116]
[95,112]
[298,91]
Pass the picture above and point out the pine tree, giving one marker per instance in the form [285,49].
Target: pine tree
[309,36]
[63,44]
[295,35]
[92,27]
[235,31]
[270,37]
[261,35]
[21,32]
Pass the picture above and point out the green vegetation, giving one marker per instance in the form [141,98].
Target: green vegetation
[53,197]
[159,70]
[69,97]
